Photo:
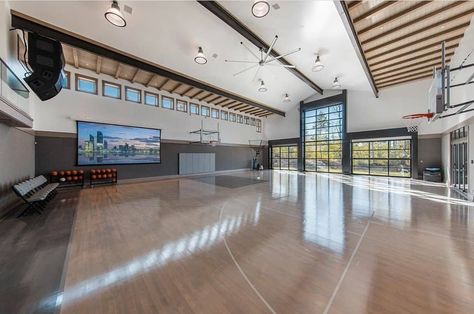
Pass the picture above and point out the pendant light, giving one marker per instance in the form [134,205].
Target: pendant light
[262,87]
[200,57]
[114,16]
[318,65]
[286,99]
[336,83]
[260,8]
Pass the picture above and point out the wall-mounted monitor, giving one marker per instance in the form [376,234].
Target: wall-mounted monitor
[112,144]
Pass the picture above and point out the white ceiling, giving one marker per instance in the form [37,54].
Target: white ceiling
[169,32]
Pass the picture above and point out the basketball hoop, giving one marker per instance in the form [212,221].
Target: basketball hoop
[412,121]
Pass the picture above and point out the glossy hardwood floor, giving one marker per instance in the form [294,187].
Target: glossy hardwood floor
[270,242]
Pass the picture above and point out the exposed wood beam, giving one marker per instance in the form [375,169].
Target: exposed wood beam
[353,4]
[414,68]
[98,65]
[374,10]
[243,30]
[420,19]
[412,52]
[187,90]
[195,94]
[153,76]
[259,111]
[134,78]
[253,111]
[347,21]
[31,24]
[398,15]
[402,64]
[230,104]
[233,105]
[404,77]
[204,96]
[239,108]
[444,32]
[423,29]
[118,71]
[437,43]
[178,85]
[247,110]
[222,101]
[163,84]
[212,99]
[75,57]
[404,81]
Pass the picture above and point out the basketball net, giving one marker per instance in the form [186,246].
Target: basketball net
[412,121]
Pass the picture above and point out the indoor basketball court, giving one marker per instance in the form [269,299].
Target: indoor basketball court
[237,157]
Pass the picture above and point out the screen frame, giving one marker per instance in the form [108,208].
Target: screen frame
[112,164]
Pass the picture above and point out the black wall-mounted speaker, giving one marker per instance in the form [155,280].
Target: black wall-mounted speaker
[46,59]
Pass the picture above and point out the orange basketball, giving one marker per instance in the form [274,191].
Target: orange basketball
[74,172]
[109,170]
[68,172]
[109,175]
[114,170]
[69,178]
[81,172]
[104,171]
[94,177]
[54,173]
[80,177]
[75,178]
[61,173]
[93,171]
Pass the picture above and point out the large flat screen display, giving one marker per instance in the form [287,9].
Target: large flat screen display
[112,144]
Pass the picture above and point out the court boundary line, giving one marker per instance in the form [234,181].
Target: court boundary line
[241,270]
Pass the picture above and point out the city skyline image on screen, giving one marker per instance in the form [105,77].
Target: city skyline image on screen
[111,144]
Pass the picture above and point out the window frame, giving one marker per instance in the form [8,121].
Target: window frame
[157,96]
[287,158]
[247,120]
[191,104]
[172,102]
[208,111]
[226,113]
[133,89]
[240,119]
[234,115]
[78,76]
[67,75]
[258,123]
[113,84]
[185,105]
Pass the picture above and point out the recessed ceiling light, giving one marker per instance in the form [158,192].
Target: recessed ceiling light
[200,57]
[318,65]
[286,98]
[260,8]
[114,16]
[262,87]
[336,83]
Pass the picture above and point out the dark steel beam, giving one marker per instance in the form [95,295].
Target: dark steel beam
[243,30]
[31,24]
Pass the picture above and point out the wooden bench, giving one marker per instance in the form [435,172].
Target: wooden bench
[36,193]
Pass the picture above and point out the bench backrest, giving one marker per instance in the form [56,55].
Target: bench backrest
[29,185]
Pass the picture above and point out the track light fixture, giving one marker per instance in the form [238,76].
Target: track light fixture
[262,87]
[286,98]
[336,83]
[200,57]
[318,65]
[260,8]
[115,16]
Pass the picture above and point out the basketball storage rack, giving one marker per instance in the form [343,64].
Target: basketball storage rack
[207,136]
[257,148]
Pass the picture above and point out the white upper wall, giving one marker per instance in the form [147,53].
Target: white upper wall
[60,113]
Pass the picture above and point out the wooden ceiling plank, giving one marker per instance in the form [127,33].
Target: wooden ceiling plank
[222,101]
[153,76]
[418,68]
[187,90]
[205,95]
[216,97]
[178,85]
[98,65]
[253,111]
[353,4]
[394,17]
[118,71]
[247,109]
[135,75]
[444,32]
[242,108]
[437,43]
[437,57]
[374,10]
[404,81]
[234,105]
[163,84]
[417,20]
[408,53]
[401,77]
[75,57]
